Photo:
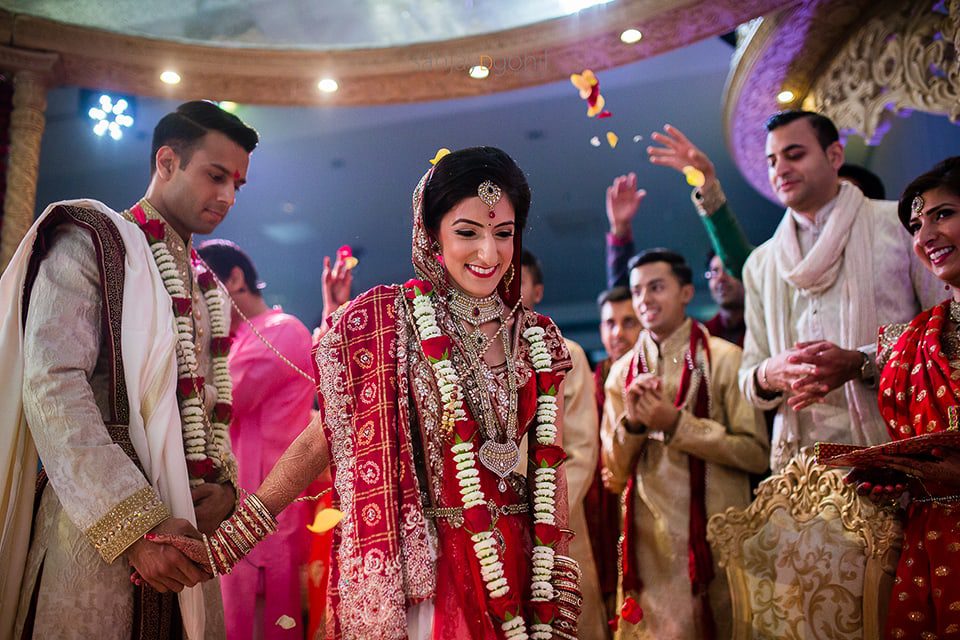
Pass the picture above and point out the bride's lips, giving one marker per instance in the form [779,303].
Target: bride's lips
[482,272]
[939,256]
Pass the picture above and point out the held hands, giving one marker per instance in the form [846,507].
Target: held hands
[678,152]
[623,200]
[645,405]
[212,503]
[809,371]
[164,567]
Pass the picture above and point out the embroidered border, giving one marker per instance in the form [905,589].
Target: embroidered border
[125,523]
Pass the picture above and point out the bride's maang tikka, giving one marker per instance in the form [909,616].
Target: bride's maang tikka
[490,194]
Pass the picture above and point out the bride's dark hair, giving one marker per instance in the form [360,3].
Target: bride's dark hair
[945,174]
[457,176]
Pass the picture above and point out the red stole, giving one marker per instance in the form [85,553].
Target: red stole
[918,363]
[700,559]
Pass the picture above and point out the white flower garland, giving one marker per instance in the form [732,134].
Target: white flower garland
[192,414]
[468,477]
[545,482]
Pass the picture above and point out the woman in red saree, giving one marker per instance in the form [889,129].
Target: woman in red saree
[919,393]
[441,403]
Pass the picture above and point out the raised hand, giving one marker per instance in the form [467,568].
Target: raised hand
[678,152]
[164,567]
[623,200]
[336,284]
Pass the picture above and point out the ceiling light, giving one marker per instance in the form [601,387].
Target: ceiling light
[228,106]
[110,114]
[785,97]
[328,85]
[170,77]
[479,72]
[630,36]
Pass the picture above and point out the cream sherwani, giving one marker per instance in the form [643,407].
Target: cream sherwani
[580,441]
[732,441]
[879,268]
[98,502]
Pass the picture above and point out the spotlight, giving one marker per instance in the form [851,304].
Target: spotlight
[328,85]
[785,97]
[228,106]
[479,72]
[170,77]
[110,114]
[630,36]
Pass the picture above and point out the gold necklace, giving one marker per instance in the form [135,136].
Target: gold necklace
[499,453]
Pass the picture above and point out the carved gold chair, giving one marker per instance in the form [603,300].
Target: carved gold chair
[809,559]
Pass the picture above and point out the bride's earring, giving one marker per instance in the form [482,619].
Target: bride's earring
[508,276]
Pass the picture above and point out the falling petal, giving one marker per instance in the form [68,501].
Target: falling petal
[595,141]
[604,114]
[325,520]
[440,153]
[286,622]
[612,139]
[695,177]
[350,262]
[637,138]
[596,108]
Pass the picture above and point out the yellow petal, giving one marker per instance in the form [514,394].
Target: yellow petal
[439,156]
[350,262]
[286,622]
[325,520]
[695,177]
[612,139]
[590,77]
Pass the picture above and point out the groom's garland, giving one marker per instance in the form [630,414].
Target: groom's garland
[203,454]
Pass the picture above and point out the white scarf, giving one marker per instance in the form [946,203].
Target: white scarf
[150,373]
[843,246]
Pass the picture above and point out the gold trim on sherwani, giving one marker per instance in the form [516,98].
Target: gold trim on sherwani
[127,522]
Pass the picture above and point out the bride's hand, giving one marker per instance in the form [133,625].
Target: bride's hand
[190,547]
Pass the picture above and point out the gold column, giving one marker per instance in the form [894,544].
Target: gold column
[26,130]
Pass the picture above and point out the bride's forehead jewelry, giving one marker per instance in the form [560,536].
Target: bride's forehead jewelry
[490,194]
[917,205]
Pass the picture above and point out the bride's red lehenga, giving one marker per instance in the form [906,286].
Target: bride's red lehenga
[919,393]
[401,542]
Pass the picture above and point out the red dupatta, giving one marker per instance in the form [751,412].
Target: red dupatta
[700,558]
[918,393]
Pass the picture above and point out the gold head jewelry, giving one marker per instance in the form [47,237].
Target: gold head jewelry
[917,205]
[489,193]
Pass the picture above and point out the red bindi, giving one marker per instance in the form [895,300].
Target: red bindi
[492,214]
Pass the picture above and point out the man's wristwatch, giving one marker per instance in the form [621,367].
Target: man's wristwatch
[633,429]
[868,370]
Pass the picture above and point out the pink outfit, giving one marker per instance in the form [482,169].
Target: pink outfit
[271,406]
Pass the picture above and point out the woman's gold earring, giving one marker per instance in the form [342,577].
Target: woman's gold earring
[435,247]
[508,276]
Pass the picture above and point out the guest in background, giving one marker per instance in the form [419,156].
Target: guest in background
[673,418]
[581,441]
[728,293]
[619,329]
[273,394]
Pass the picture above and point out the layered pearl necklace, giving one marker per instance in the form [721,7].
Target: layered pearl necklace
[502,601]
[203,453]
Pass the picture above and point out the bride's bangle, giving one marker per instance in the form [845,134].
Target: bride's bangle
[236,536]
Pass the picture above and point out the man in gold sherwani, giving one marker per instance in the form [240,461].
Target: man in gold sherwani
[580,437]
[676,427]
[96,336]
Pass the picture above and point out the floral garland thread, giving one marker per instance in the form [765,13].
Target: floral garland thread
[547,457]
[203,455]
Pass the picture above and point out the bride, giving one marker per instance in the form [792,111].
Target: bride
[440,417]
